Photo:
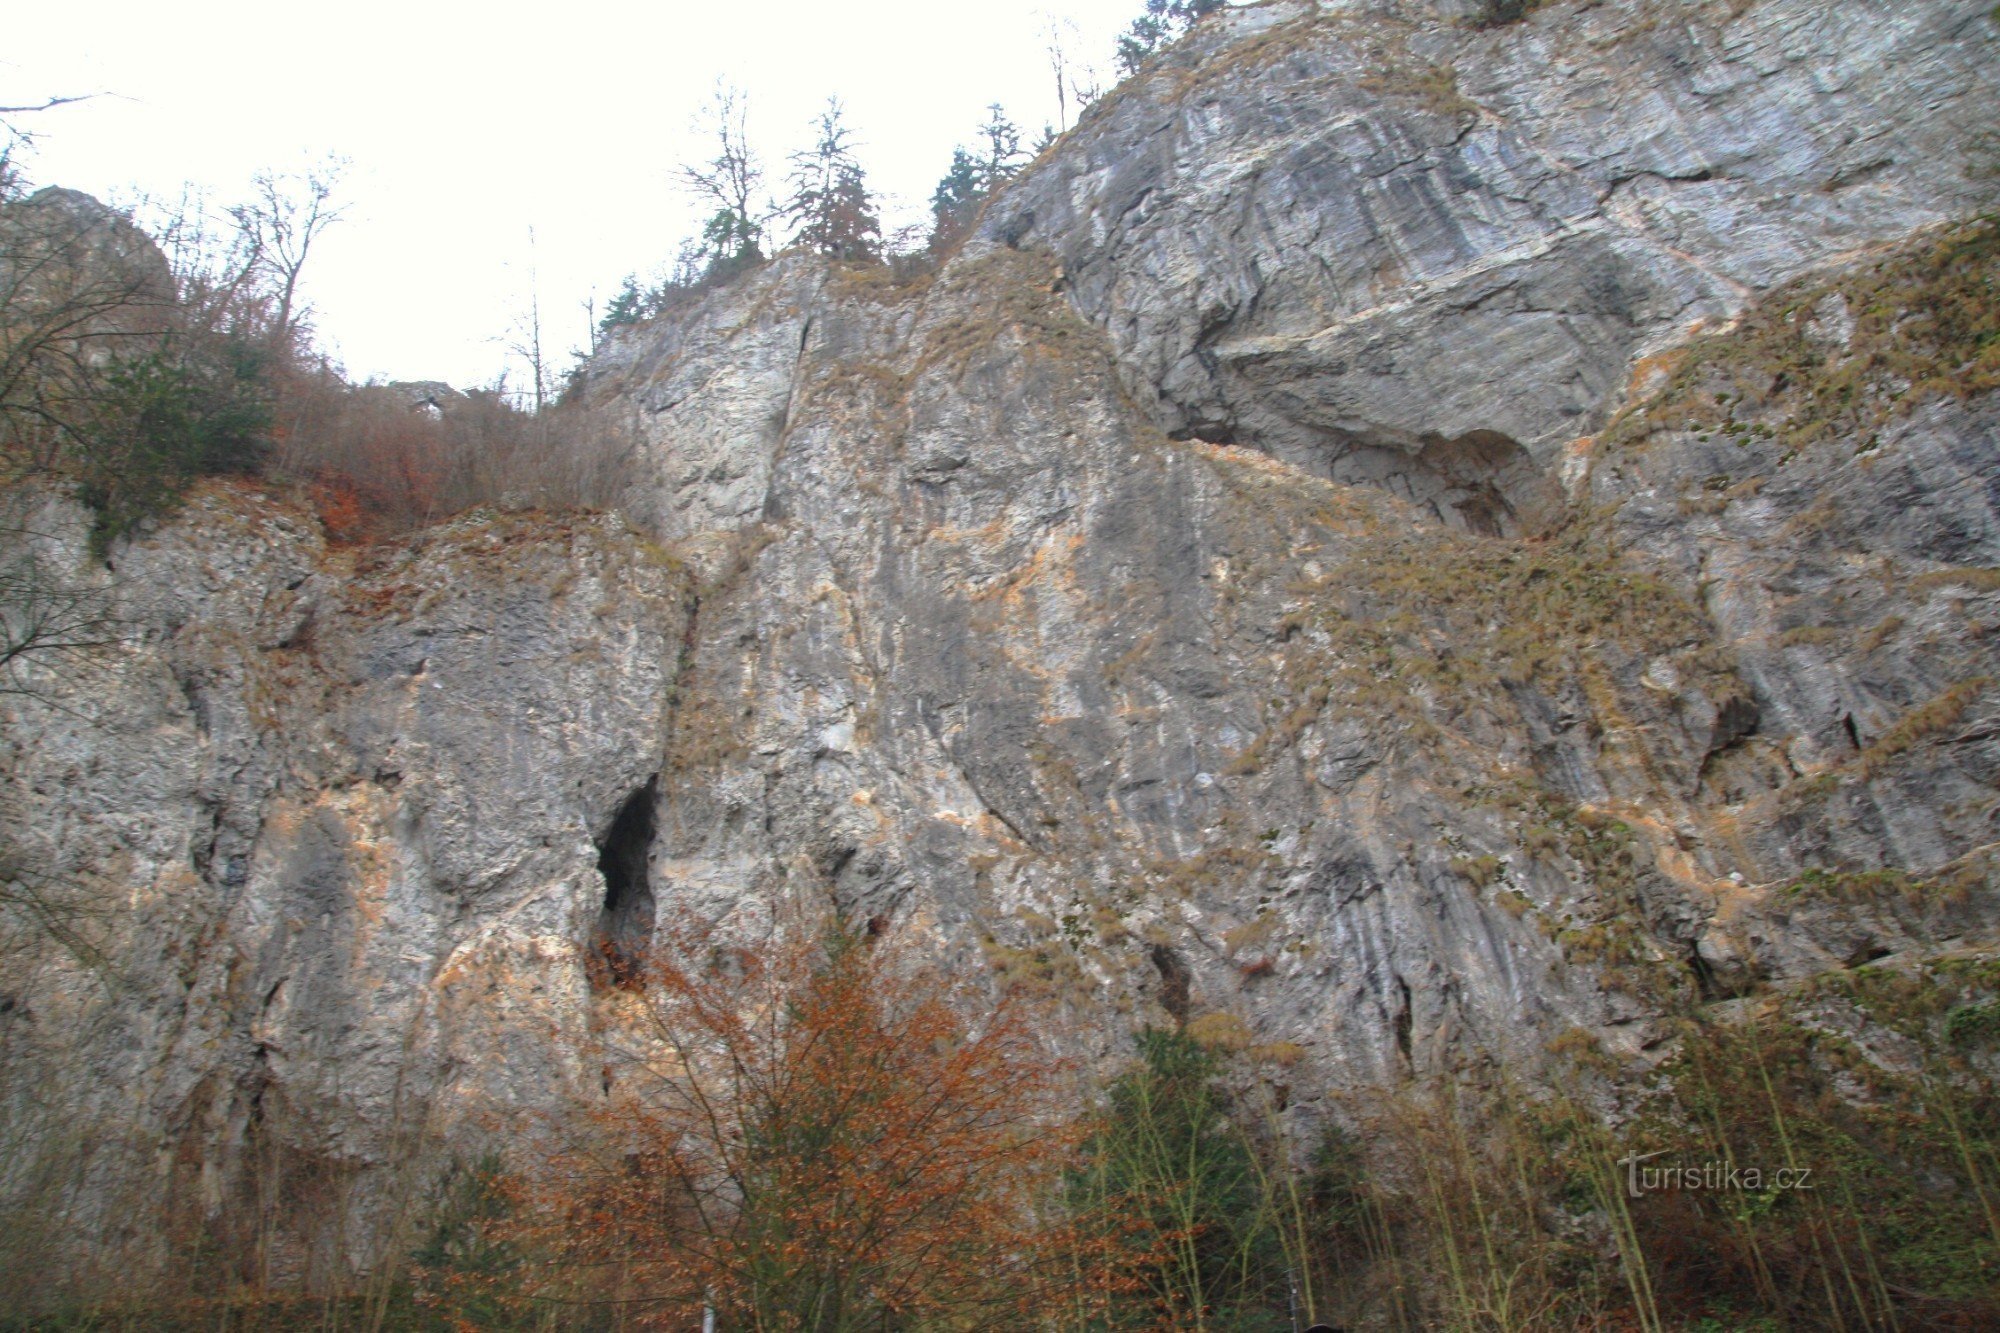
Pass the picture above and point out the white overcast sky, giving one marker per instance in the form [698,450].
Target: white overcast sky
[468,124]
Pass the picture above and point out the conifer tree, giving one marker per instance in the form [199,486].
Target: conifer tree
[974,176]
[830,207]
[1164,23]
[955,200]
[1003,149]
[629,306]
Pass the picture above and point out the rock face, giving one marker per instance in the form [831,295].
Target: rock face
[317,838]
[1405,253]
[1292,567]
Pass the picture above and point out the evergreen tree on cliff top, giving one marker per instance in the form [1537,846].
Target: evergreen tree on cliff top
[830,206]
[975,176]
[1163,24]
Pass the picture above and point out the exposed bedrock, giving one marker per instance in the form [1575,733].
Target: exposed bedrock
[1358,240]
[1246,585]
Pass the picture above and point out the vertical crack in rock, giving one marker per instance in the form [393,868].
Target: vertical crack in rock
[1174,982]
[1403,1022]
[625,927]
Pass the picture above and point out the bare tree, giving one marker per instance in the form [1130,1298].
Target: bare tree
[1055,43]
[220,282]
[44,618]
[288,213]
[53,625]
[13,136]
[46,104]
[527,334]
[729,182]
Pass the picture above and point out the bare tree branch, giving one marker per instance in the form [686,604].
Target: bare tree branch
[289,213]
[49,105]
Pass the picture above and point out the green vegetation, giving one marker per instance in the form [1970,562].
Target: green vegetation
[1177,1183]
[974,176]
[1164,23]
[167,418]
[116,376]
[1925,324]
[830,205]
[1827,1160]
[1896,1223]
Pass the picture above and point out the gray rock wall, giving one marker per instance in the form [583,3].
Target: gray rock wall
[319,838]
[1230,592]
[1427,256]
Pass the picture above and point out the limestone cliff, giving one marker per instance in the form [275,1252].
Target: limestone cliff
[1366,547]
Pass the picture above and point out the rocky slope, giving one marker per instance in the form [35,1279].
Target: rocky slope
[1365,551]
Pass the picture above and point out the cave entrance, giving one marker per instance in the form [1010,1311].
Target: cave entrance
[1481,482]
[625,926]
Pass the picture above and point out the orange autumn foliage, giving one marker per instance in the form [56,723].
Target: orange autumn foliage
[812,1136]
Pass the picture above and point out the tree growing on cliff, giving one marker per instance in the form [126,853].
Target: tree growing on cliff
[955,201]
[1078,83]
[974,175]
[815,1138]
[630,305]
[285,216]
[830,208]
[729,185]
[1164,23]
[118,373]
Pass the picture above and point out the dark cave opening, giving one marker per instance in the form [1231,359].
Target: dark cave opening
[1705,983]
[625,926]
[1481,482]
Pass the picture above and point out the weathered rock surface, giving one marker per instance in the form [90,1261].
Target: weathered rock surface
[1216,593]
[324,831]
[1403,252]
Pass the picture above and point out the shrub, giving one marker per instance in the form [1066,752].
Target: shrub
[378,461]
[165,419]
[809,1136]
[1177,1199]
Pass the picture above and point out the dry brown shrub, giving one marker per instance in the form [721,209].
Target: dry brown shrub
[809,1134]
[378,461]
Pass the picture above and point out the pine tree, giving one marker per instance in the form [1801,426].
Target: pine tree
[629,306]
[956,200]
[1164,23]
[830,206]
[1003,150]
